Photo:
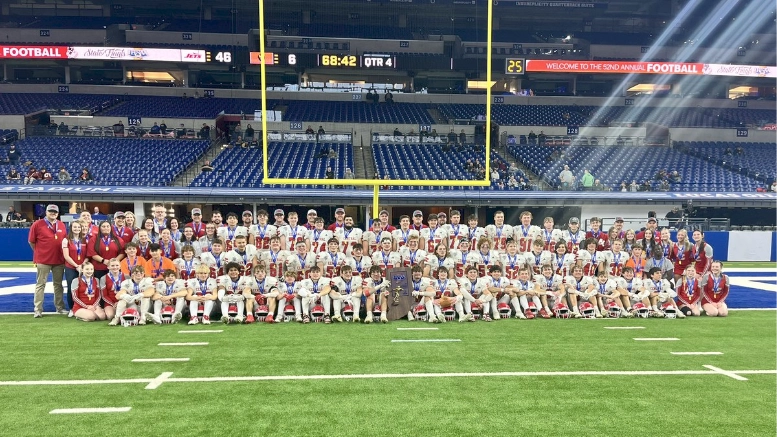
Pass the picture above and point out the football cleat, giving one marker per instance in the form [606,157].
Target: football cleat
[194,320]
[305,319]
[486,318]
[239,319]
[337,318]
[130,317]
[529,315]
[544,314]
[249,319]
[587,310]
[504,310]
[327,319]
[561,311]
[225,320]
[206,320]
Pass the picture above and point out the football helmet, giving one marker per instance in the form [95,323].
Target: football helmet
[641,310]
[167,314]
[232,310]
[561,310]
[449,313]
[288,313]
[532,308]
[613,310]
[376,313]
[200,309]
[348,312]
[419,312]
[130,317]
[317,313]
[261,312]
[477,311]
[260,299]
[587,310]
[504,310]
[670,312]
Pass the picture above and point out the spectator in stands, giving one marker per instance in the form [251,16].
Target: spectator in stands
[624,188]
[397,132]
[433,134]
[566,178]
[63,129]
[46,175]
[155,129]
[522,184]
[118,129]
[321,131]
[349,175]
[727,151]
[85,175]
[238,130]
[494,175]
[462,137]
[14,215]
[388,97]
[598,186]
[512,182]
[13,175]
[633,187]
[33,175]
[664,185]
[675,217]
[740,150]
[541,137]
[63,175]
[774,187]
[14,154]
[646,186]
[587,180]
[310,130]
[332,153]
[206,167]
[249,134]
[184,95]
[180,132]
[532,136]
[204,132]
[500,185]
[163,128]
[451,137]
[329,173]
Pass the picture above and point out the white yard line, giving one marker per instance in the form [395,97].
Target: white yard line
[624,327]
[728,373]
[656,339]
[90,410]
[417,329]
[201,331]
[160,360]
[164,378]
[696,353]
[159,380]
[432,340]
[204,343]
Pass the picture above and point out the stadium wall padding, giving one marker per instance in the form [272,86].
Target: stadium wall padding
[728,246]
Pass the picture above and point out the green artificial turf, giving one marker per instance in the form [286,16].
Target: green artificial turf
[57,348]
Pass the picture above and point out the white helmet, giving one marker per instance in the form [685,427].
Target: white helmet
[613,310]
[449,313]
[419,312]
[477,311]
[376,311]
[167,314]
[670,312]
[317,313]
[587,310]
[642,310]
[288,313]
[130,317]
[348,312]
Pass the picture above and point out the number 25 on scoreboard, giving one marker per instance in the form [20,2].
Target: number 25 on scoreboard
[514,66]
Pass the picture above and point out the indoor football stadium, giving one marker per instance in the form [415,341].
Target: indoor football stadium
[552,218]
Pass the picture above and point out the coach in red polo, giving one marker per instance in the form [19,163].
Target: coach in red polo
[46,242]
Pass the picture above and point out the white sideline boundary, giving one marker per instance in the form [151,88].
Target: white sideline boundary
[90,410]
[165,377]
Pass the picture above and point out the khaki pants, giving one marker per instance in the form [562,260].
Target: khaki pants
[57,271]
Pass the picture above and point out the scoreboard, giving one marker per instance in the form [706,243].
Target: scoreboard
[382,61]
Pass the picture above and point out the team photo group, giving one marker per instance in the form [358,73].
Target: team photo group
[241,270]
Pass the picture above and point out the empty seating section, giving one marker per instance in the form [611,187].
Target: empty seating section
[242,168]
[177,107]
[25,103]
[530,115]
[112,161]
[756,159]
[615,164]
[358,112]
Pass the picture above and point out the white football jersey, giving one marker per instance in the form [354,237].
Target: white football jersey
[486,261]
[412,258]
[536,261]
[331,263]
[292,236]
[474,234]
[318,240]
[371,241]
[347,286]
[456,233]
[166,290]
[348,238]
[499,236]
[522,286]
[432,237]
[360,267]
[258,286]
[590,261]
[369,285]
[633,286]
[550,238]
[227,235]
[662,286]
[551,284]
[511,264]
[314,287]
[573,240]
[615,262]
[463,260]
[435,263]
[441,286]
[525,236]
[562,265]
[205,244]
[202,288]
[606,288]
[474,288]
[186,269]
[245,258]
[386,260]
[581,285]
[300,263]
[402,236]
[492,282]
[213,261]
[230,286]
[262,235]
[129,286]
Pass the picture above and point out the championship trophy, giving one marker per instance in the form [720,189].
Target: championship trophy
[400,299]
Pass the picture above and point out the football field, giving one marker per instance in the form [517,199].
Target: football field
[506,378]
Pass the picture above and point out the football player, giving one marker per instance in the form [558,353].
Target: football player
[348,236]
[86,295]
[260,234]
[590,287]
[360,264]
[243,254]
[562,261]
[615,259]
[205,243]
[275,258]
[371,239]
[526,233]
[573,236]
[549,234]
[187,264]
[446,295]
[499,232]
[660,292]
[576,287]
[537,257]
[386,258]
[715,287]
[132,292]
[631,290]
[590,259]
[171,291]
[512,261]
[319,236]
[110,285]
[474,232]
[551,286]
[597,235]
[331,260]
[439,259]
[228,233]
[456,232]
[301,261]
[433,235]
[264,290]
[290,286]
[689,293]
[215,259]
[411,255]
[376,287]
[231,295]
[347,287]
[201,290]
[472,287]
[503,292]
[292,234]
[313,290]
[402,235]
[607,293]
[464,258]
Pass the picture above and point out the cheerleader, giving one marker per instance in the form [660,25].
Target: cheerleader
[715,287]
[702,254]
[689,293]
[86,295]
[104,248]
[74,251]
